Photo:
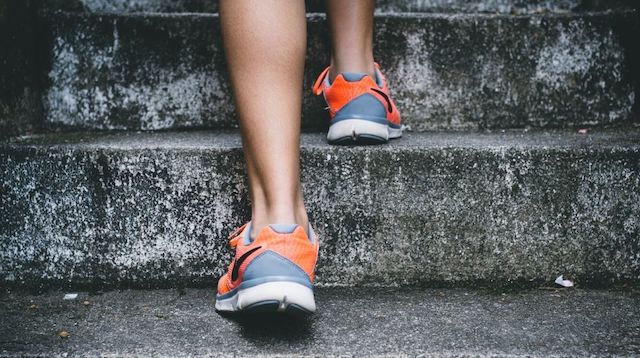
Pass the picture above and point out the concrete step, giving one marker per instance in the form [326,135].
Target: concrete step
[211,6]
[20,99]
[447,71]
[349,322]
[154,209]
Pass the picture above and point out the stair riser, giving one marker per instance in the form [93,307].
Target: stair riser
[410,216]
[446,72]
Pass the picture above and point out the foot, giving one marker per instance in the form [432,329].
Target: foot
[360,108]
[272,273]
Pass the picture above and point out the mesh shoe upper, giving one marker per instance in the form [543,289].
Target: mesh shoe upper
[297,252]
[344,90]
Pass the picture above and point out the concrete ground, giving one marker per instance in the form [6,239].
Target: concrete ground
[350,322]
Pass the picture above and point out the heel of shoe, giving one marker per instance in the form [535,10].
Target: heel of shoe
[271,283]
[281,295]
[358,131]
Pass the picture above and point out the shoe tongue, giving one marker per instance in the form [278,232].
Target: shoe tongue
[283,228]
[290,228]
[353,76]
[279,228]
[246,236]
[378,78]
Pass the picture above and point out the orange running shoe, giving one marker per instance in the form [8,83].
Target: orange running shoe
[360,108]
[272,273]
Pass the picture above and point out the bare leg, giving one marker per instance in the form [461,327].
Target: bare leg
[351,24]
[265,43]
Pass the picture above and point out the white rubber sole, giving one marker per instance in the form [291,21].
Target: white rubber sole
[361,130]
[270,297]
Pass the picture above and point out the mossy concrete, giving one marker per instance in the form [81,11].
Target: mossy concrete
[450,208]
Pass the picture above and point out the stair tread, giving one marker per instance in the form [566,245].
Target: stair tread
[625,137]
[360,321]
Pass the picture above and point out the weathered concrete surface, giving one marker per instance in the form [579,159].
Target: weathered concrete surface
[159,71]
[143,72]
[20,105]
[349,322]
[152,209]
[493,6]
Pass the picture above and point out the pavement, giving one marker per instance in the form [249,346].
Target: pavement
[434,322]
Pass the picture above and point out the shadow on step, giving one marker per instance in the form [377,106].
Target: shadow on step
[268,326]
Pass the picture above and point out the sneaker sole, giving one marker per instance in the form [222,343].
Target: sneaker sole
[361,131]
[285,297]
